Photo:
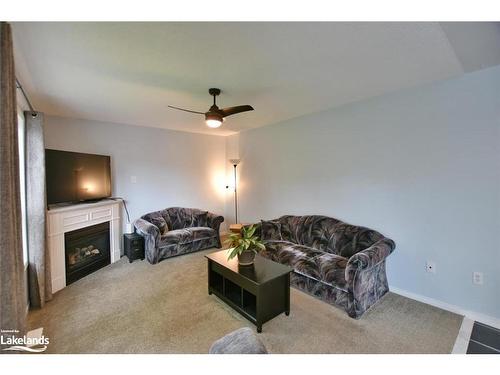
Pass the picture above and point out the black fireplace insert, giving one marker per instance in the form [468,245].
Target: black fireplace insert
[87,250]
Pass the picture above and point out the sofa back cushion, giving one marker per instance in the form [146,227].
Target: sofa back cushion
[180,217]
[311,230]
[200,219]
[157,219]
[351,239]
[270,230]
[327,234]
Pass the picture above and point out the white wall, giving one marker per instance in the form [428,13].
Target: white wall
[422,166]
[172,168]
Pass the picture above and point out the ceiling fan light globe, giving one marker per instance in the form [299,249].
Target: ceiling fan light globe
[213,123]
[213,120]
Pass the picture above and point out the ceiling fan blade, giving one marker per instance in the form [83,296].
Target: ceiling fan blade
[234,110]
[186,110]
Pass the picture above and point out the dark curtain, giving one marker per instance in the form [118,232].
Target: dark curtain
[40,288]
[12,277]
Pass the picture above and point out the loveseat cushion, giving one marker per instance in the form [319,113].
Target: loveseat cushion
[200,219]
[200,233]
[176,236]
[166,217]
[180,217]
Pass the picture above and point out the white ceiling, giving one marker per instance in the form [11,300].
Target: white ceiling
[129,72]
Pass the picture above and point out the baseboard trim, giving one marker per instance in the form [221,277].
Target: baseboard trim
[473,315]
[463,337]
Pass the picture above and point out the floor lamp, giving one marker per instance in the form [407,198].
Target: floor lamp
[235,163]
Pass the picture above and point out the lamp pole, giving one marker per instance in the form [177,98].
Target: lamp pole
[235,196]
[235,163]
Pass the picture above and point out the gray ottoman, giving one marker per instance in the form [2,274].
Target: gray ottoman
[241,341]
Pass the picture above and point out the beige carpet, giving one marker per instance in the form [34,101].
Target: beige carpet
[165,308]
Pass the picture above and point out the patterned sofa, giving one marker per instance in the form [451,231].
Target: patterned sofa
[175,231]
[339,263]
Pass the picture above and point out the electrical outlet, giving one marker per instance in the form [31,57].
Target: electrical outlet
[477,278]
[430,266]
[133,179]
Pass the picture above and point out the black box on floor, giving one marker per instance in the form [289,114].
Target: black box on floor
[134,246]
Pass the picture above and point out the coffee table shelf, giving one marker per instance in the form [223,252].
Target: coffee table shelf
[259,292]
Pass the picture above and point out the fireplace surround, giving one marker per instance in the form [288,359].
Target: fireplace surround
[65,219]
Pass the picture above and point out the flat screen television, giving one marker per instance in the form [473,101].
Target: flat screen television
[76,177]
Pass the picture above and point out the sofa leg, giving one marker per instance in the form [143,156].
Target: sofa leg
[352,314]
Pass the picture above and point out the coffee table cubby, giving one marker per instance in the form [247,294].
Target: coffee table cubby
[258,298]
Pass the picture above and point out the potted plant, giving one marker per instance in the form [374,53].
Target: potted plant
[244,245]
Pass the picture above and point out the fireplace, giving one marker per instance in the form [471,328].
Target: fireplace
[86,250]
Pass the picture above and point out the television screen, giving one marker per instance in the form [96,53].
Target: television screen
[76,177]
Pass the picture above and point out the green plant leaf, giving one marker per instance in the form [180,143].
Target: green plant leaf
[251,231]
[246,241]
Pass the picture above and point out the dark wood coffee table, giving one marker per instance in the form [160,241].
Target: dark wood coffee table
[259,292]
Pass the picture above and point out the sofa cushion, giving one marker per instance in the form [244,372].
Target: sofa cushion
[180,217]
[165,216]
[176,236]
[316,264]
[327,234]
[331,269]
[270,230]
[289,225]
[300,258]
[312,230]
[200,233]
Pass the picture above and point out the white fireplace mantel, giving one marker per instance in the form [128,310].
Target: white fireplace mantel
[68,218]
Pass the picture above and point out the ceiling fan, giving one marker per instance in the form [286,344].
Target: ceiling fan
[216,115]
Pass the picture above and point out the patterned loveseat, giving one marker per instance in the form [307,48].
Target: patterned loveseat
[175,231]
[339,263]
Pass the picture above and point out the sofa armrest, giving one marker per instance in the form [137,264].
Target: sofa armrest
[151,235]
[214,221]
[145,228]
[369,258]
